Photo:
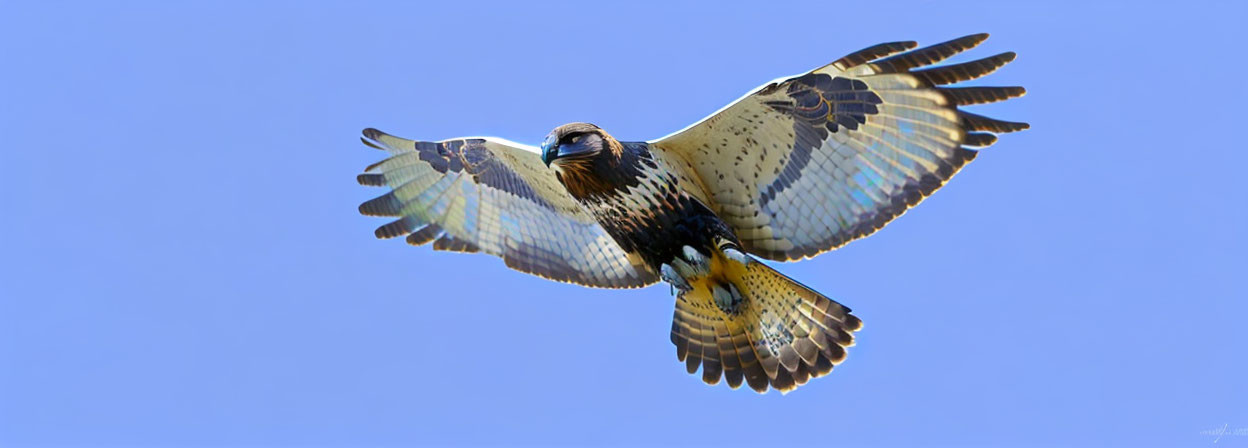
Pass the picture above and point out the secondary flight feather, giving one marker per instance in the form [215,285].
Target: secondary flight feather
[797,167]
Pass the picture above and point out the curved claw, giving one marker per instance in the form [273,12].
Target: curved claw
[738,256]
[669,274]
[700,265]
[727,298]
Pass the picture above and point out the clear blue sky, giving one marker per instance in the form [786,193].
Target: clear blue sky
[182,263]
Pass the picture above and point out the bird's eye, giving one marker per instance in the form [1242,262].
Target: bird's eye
[576,139]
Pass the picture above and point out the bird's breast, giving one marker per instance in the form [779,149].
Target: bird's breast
[655,217]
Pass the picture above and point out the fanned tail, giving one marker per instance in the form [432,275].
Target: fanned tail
[748,323]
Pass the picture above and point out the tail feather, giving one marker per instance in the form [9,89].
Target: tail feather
[779,334]
[730,361]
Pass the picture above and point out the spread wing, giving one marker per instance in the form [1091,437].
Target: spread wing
[494,196]
[808,163]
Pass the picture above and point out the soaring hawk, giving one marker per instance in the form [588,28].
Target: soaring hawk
[796,167]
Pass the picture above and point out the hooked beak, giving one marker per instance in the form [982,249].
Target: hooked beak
[550,149]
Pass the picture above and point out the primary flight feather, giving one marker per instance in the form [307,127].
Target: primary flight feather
[799,166]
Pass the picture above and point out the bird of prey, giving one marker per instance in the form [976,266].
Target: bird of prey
[797,167]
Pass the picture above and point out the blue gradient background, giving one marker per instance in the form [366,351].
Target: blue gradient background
[182,263]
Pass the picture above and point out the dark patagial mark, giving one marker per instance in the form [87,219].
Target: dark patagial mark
[820,104]
[472,157]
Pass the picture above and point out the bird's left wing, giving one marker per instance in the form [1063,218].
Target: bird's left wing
[807,163]
[494,196]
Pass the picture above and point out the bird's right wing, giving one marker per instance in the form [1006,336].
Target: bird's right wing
[494,196]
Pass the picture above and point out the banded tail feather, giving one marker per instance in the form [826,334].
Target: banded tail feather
[750,324]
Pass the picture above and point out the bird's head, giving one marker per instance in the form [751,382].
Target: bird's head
[577,143]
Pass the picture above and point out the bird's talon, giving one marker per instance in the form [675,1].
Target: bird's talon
[672,277]
[737,256]
[700,264]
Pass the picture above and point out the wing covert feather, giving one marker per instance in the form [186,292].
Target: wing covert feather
[494,196]
[805,164]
